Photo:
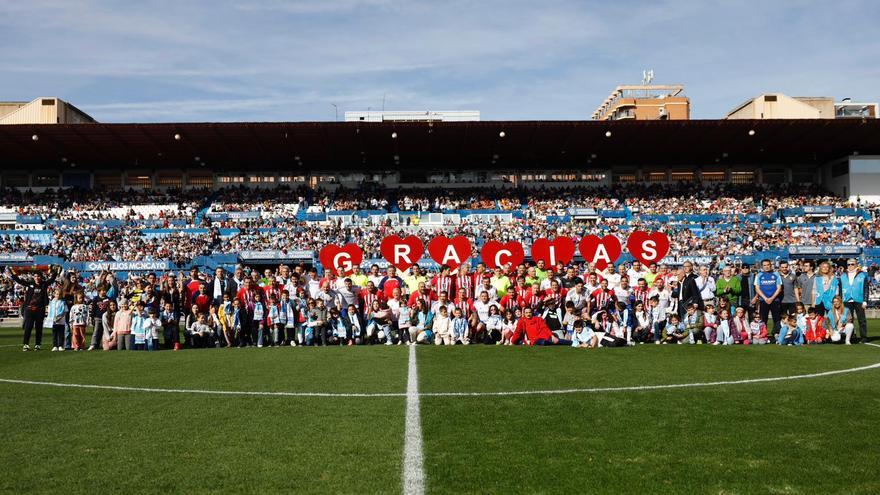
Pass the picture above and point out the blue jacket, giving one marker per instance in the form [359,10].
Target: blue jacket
[855,291]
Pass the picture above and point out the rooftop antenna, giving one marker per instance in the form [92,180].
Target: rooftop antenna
[383,102]
[647,77]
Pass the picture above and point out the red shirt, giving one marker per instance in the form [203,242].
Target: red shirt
[509,301]
[426,296]
[534,328]
[367,299]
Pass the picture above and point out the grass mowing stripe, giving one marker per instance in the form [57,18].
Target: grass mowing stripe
[413,462]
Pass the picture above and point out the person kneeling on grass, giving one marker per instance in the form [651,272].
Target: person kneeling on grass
[757,331]
[695,324]
[459,327]
[840,322]
[200,332]
[583,336]
[789,333]
[442,327]
[675,330]
[723,336]
[609,330]
[815,327]
[535,330]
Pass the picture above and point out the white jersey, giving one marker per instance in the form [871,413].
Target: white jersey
[482,309]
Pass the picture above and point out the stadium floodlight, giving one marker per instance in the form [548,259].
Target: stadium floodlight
[593,156]
[196,158]
[35,138]
[608,134]
[393,135]
[751,132]
[177,137]
[63,159]
[501,134]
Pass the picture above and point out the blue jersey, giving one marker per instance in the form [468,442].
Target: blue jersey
[766,283]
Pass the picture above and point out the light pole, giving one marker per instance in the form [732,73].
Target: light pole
[336,108]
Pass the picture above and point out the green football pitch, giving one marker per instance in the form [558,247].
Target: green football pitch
[649,419]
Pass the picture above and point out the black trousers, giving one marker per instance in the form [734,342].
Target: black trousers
[57,335]
[858,312]
[33,320]
[773,309]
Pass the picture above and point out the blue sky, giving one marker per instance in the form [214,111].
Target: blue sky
[274,60]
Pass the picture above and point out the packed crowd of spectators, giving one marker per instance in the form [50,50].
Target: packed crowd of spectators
[278,227]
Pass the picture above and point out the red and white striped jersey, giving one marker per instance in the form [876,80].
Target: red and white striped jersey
[465,282]
[442,283]
[367,299]
[601,300]
[465,305]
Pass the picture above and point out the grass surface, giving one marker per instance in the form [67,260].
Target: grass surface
[815,435]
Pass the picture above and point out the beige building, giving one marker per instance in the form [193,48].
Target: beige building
[645,102]
[780,106]
[44,110]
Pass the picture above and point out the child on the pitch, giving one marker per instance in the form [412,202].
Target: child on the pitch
[789,333]
[459,327]
[757,331]
[675,330]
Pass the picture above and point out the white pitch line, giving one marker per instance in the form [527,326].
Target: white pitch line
[638,388]
[413,464]
[197,391]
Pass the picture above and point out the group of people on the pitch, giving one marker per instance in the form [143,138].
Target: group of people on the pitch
[532,305]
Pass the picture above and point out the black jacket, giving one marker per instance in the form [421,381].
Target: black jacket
[36,296]
[690,293]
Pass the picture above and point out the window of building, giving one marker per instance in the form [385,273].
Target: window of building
[657,177]
[623,178]
[292,178]
[261,179]
[231,179]
[169,181]
[138,180]
[200,180]
[742,177]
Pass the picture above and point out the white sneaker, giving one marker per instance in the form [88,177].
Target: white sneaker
[54,349]
[37,348]
[91,348]
[388,342]
[292,344]
[259,345]
[25,348]
[60,349]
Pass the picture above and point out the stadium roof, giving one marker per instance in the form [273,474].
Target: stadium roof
[440,146]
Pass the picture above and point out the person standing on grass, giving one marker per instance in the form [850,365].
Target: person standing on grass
[79,319]
[108,336]
[768,295]
[34,304]
[122,328]
[728,287]
[97,308]
[826,285]
[57,317]
[789,284]
[854,285]
[804,287]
